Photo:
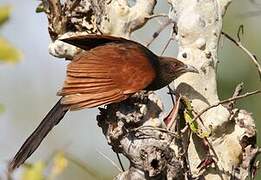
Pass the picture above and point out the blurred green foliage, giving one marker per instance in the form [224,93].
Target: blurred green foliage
[34,171]
[8,53]
[56,167]
[40,8]
[5,12]
[1,108]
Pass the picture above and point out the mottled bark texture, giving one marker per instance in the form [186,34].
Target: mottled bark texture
[135,127]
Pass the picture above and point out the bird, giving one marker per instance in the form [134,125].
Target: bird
[108,70]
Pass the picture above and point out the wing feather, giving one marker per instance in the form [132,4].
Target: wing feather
[97,77]
[87,90]
[76,98]
[97,102]
[76,81]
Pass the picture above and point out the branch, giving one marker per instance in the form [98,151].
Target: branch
[112,162]
[252,56]
[237,92]
[156,33]
[226,101]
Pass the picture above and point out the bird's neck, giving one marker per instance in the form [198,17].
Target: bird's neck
[163,76]
[161,66]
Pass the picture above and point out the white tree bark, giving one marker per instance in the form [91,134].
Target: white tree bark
[199,23]
[199,28]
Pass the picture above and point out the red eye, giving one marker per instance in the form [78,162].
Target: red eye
[174,65]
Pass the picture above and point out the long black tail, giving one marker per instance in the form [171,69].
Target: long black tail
[54,116]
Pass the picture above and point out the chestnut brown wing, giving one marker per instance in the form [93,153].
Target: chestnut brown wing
[106,74]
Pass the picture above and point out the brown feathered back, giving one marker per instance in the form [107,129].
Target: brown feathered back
[97,77]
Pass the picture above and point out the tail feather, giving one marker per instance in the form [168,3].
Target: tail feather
[34,140]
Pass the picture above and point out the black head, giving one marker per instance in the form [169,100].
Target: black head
[167,70]
[174,68]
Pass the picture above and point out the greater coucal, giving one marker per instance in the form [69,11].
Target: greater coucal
[109,71]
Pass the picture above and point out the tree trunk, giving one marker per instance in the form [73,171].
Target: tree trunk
[222,146]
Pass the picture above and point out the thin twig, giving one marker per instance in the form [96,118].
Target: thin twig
[237,92]
[167,44]
[174,114]
[252,56]
[226,101]
[111,161]
[240,30]
[171,38]
[171,95]
[119,159]
[156,33]
[205,138]
[162,52]
[82,165]
[157,15]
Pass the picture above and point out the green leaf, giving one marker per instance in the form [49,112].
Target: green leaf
[5,12]
[8,53]
[40,8]
[188,116]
